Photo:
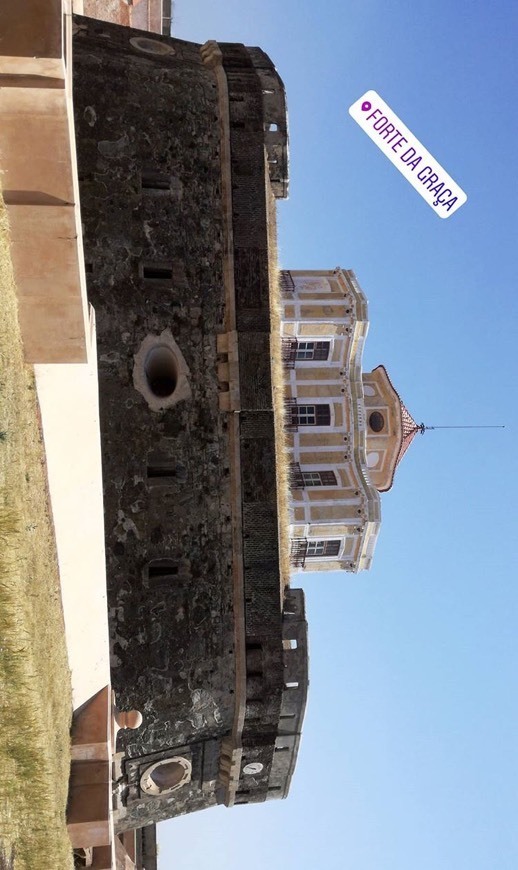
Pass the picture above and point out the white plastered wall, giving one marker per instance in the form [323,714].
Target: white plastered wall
[68,397]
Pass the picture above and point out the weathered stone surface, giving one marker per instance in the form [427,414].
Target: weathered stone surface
[154,222]
[169,640]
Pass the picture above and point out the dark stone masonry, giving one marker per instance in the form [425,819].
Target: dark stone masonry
[179,147]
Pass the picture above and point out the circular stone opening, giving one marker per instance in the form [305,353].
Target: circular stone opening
[376,421]
[168,775]
[151,46]
[161,371]
[253,768]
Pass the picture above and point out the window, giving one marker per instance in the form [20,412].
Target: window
[312,350]
[300,479]
[306,415]
[319,478]
[317,549]
[376,421]
[313,415]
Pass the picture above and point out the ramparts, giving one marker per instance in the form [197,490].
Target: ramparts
[176,158]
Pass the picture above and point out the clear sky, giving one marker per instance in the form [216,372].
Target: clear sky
[409,754]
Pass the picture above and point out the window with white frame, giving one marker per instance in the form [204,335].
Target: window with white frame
[319,478]
[313,415]
[312,350]
[318,549]
[306,415]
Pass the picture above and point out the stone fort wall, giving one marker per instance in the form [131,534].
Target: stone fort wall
[175,159]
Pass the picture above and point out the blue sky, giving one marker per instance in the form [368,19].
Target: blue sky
[409,754]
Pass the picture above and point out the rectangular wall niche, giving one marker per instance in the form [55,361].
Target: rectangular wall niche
[162,571]
[161,471]
[156,273]
[154,181]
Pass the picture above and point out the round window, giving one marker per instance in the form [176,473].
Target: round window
[253,768]
[161,371]
[166,775]
[151,46]
[376,421]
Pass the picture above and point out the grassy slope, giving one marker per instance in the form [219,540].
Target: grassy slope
[35,691]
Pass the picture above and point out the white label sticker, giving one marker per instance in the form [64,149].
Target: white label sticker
[406,152]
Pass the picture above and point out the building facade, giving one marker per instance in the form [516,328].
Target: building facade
[346,430]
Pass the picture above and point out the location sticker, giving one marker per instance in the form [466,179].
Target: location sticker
[407,154]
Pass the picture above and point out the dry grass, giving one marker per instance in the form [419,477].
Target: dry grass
[6,860]
[35,691]
[278,388]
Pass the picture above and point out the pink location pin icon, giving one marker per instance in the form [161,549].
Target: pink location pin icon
[366,106]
